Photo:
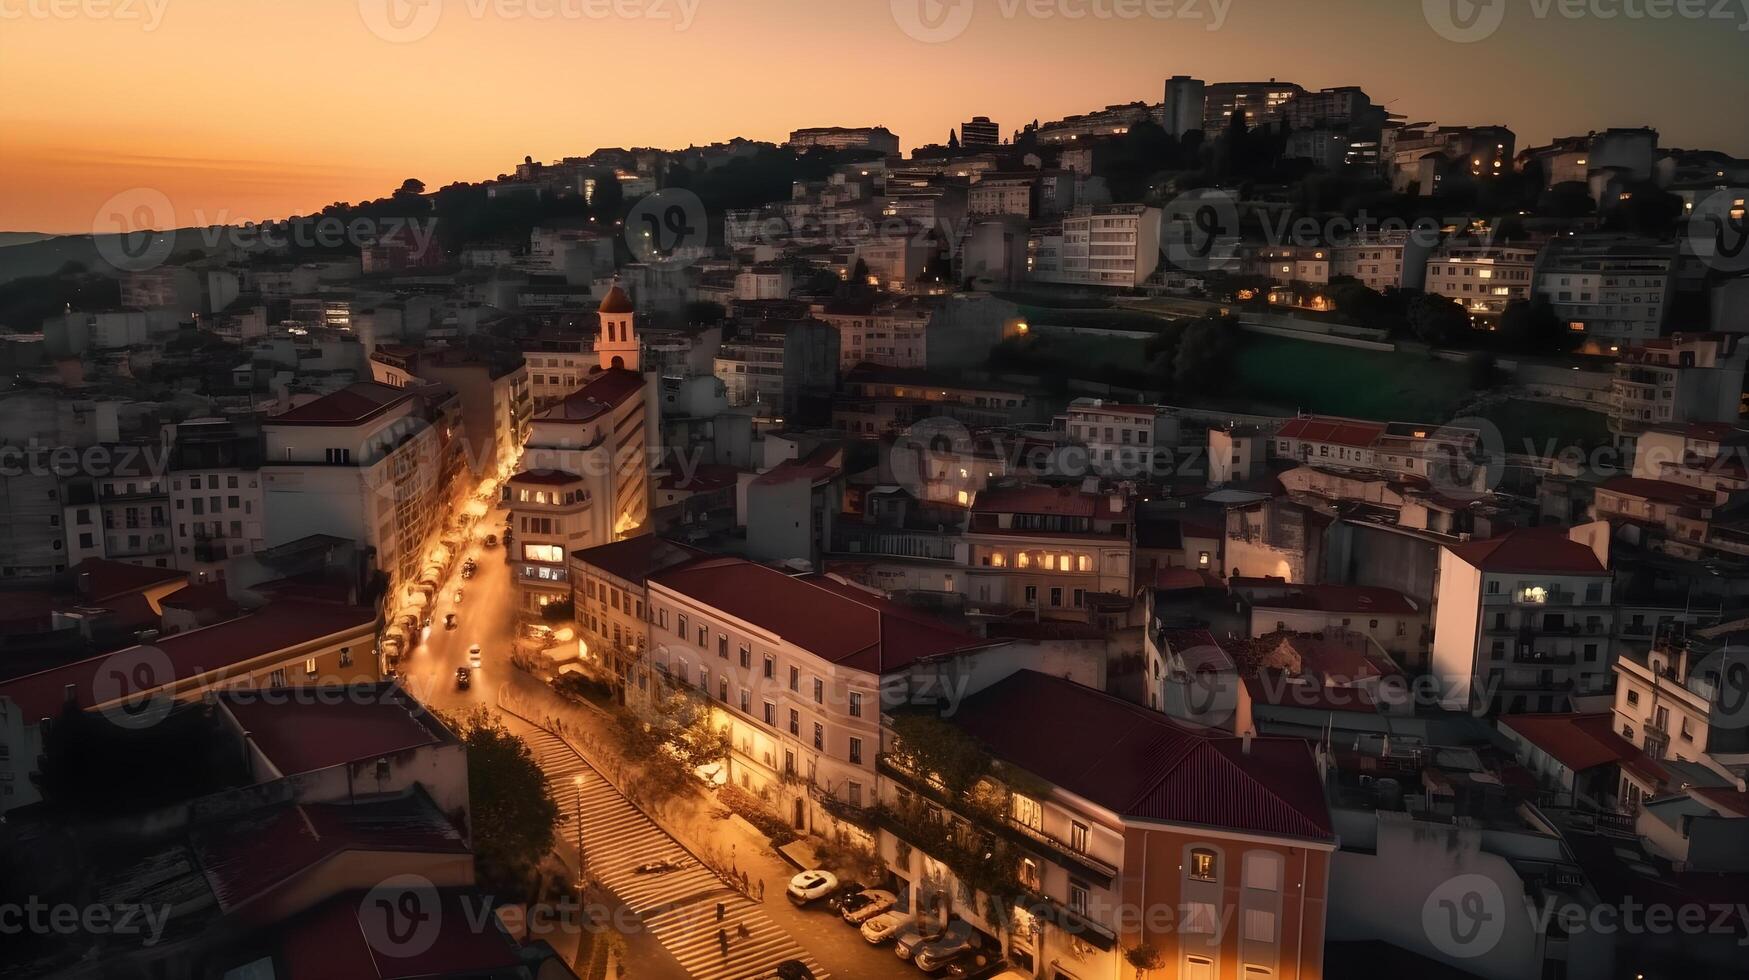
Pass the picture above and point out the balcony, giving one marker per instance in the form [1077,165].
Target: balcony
[1540,658]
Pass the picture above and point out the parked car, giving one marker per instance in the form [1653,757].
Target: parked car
[811,886]
[463,679]
[886,926]
[980,964]
[867,905]
[491,540]
[658,867]
[788,970]
[474,655]
[959,938]
[846,891]
[449,621]
[910,937]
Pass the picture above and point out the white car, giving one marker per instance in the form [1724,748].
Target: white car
[873,902]
[885,926]
[474,655]
[811,886]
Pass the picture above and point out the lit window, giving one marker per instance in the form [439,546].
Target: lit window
[1203,865]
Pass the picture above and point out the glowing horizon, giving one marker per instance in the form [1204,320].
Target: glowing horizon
[243,110]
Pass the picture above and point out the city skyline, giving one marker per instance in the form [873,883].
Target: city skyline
[486,83]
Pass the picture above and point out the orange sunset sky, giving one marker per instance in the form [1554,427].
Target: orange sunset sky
[251,109]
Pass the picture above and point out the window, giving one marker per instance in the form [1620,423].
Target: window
[854,790]
[770,667]
[771,714]
[1260,925]
[1027,812]
[795,679]
[723,646]
[310,667]
[662,619]
[795,722]
[856,750]
[1633,697]
[819,691]
[277,678]
[819,736]
[704,637]
[1263,871]
[746,654]
[1056,597]
[1078,836]
[1204,865]
[723,689]
[680,626]
[855,705]
[1077,896]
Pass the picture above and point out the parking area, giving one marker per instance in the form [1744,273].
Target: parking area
[876,918]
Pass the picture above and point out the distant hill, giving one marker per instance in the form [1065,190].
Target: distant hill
[21,237]
[47,254]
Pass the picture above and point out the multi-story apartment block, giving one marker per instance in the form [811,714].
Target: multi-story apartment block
[1052,866]
[889,334]
[557,366]
[1059,551]
[1113,120]
[123,511]
[610,594]
[1397,450]
[1122,441]
[979,133]
[794,666]
[495,394]
[1114,245]
[585,477]
[1003,194]
[1524,622]
[1683,700]
[1182,109]
[1683,378]
[216,497]
[1483,279]
[876,138]
[1260,102]
[1613,288]
[362,463]
[1424,155]
[1382,260]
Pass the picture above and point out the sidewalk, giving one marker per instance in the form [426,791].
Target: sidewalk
[729,845]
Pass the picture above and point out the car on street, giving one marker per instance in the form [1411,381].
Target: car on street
[463,679]
[474,655]
[491,540]
[866,905]
[886,926]
[449,621]
[846,891]
[811,886]
[658,867]
[912,936]
[958,939]
[458,597]
[981,964]
[788,970]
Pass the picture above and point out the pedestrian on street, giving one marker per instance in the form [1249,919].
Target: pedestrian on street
[762,889]
[720,910]
[723,941]
[742,930]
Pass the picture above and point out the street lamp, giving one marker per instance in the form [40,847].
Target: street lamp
[582,876]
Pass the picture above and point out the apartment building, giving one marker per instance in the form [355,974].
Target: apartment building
[1613,288]
[1113,120]
[1483,279]
[610,594]
[1123,441]
[585,478]
[1383,260]
[979,133]
[1680,701]
[1062,552]
[289,642]
[1683,378]
[1524,622]
[217,502]
[1004,194]
[877,138]
[1182,109]
[1108,818]
[122,511]
[1260,102]
[1424,155]
[557,366]
[794,667]
[1114,245]
[1396,622]
[1397,450]
[495,395]
[889,334]
[362,463]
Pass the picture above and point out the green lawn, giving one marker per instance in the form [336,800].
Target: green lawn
[1284,374]
[1533,427]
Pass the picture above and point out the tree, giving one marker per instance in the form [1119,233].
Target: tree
[1145,956]
[608,200]
[411,187]
[1532,326]
[937,751]
[1436,320]
[1481,368]
[1204,354]
[515,819]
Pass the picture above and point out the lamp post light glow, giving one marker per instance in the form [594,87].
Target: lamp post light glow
[582,865]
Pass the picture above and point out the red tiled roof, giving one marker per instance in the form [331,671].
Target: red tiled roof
[836,622]
[1583,741]
[1661,491]
[603,392]
[350,405]
[1040,499]
[1142,764]
[1342,657]
[275,626]
[636,559]
[330,942]
[97,579]
[301,735]
[1343,432]
[200,596]
[1531,549]
[616,300]
[1727,798]
[1172,579]
[1343,598]
[1280,689]
[1198,649]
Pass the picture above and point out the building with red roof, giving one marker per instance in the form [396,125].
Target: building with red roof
[797,666]
[1113,806]
[1063,552]
[1523,622]
[1583,760]
[1395,621]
